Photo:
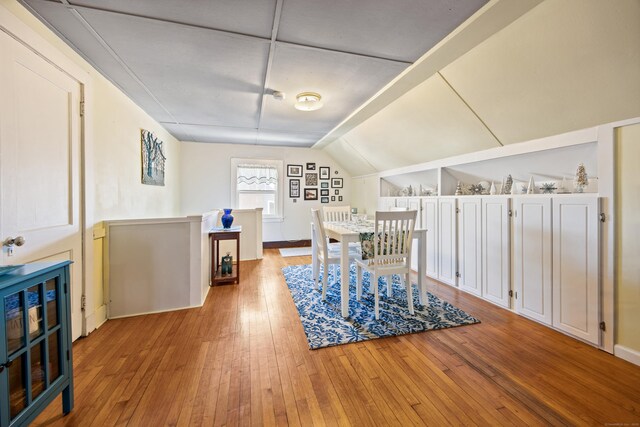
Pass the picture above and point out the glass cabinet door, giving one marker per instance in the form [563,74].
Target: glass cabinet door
[33,344]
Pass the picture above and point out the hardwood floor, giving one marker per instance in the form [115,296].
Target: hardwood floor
[243,359]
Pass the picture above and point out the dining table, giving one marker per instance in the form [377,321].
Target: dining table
[347,232]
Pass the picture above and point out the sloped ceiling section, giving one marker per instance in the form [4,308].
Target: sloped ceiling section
[565,65]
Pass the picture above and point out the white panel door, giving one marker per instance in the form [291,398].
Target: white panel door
[576,242]
[447,242]
[532,257]
[496,250]
[430,222]
[469,244]
[40,134]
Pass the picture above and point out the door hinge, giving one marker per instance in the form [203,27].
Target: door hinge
[81,108]
[83,302]
[603,217]
[458,274]
[457,210]
[510,294]
[510,212]
[603,326]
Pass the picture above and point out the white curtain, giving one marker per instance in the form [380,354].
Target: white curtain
[257,178]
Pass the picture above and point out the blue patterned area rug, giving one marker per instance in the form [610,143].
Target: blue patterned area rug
[324,326]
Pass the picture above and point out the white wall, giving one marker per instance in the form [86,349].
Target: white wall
[628,247]
[206,183]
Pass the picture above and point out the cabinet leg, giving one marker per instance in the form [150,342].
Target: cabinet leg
[67,400]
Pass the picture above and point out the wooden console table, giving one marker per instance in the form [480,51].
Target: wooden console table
[216,235]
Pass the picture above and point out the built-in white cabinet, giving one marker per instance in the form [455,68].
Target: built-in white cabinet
[532,268]
[447,240]
[496,250]
[469,244]
[576,241]
[430,222]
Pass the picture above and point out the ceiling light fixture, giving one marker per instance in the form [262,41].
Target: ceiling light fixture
[308,101]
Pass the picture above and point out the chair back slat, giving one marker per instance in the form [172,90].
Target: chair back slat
[318,231]
[393,236]
[336,213]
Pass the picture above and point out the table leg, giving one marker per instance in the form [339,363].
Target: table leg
[213,262]
[422,261]
[344,277]
[237,260]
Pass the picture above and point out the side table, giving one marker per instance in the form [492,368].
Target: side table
[217,234]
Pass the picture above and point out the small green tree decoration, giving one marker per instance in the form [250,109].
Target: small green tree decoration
[581,180]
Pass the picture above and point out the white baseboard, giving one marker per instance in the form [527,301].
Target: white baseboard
[155,312]
[626,353]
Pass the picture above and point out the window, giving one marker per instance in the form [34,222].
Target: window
[258,185]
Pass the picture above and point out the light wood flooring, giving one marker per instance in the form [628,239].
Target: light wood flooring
[243,359]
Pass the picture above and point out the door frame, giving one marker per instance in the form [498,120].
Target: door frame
[52,52]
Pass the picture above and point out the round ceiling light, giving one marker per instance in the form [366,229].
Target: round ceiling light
[308,101]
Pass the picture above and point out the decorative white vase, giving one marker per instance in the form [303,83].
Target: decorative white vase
[492,189]
[531,189]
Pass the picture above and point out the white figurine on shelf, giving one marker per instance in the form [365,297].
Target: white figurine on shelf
[531,189]
[492,189]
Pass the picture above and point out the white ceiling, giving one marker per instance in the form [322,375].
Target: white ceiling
[205,69]
[563,65]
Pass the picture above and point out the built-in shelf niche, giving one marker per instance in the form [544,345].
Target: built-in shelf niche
[551,165]
[392,186]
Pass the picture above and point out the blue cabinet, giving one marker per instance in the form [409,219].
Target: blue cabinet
[35,341]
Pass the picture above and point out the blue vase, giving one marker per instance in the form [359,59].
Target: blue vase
[227,218]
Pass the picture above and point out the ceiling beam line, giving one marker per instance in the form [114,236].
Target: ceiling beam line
[470,109]
[69,5]
[267,71]
[292,132]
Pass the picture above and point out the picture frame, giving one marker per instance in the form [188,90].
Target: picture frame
[336,192]
[339,198]
[294,188]
[294,171]
[333,198]
[153,158]
[311,194]
[324,200]
[337,182]
[325,171]
[310,179]
[324,185]
[311,166]
[324,192]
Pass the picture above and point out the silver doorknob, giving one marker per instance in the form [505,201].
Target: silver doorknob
[10,241]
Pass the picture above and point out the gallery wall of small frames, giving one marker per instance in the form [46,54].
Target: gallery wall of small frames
[311,182]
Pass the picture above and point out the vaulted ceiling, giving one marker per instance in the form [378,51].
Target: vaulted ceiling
[206,69]
[562,66]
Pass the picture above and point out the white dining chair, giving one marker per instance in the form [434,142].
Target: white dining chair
[391,254]
[398,209]
[336,213]
[327,253]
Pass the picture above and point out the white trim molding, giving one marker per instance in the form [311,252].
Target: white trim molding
[626,353]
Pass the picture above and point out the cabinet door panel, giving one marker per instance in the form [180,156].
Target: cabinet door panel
[430,222]
[447,253]
[532,257]
[496,262]
[575,266]
[469,245]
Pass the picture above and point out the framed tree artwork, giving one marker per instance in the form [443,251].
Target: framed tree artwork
[336,182]
[324,172]
[294,188]
[311,194]
[153,159]
[294,171]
